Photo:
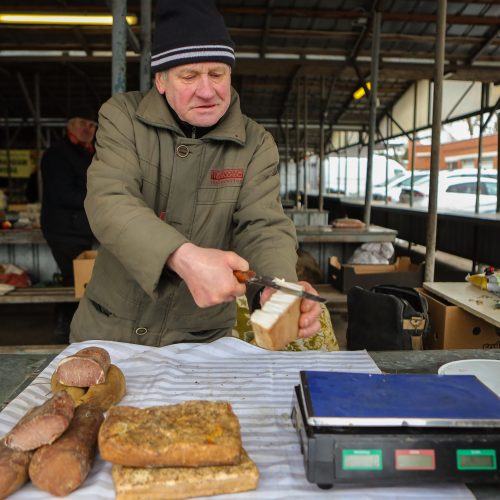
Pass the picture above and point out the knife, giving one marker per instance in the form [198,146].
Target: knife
[267,281]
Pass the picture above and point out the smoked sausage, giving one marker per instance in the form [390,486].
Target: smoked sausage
[85,368]
[62,467]
[42,424]
[13,469]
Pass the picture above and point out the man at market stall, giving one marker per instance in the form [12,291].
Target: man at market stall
[183,190]
[63,219]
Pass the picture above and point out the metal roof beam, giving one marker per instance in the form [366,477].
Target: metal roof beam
[484,46]
[354,14]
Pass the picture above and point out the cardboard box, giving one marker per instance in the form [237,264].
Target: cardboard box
[454,328]
[82,267]
[402,273]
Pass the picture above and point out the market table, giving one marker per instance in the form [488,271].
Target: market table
[27,248]
[469,297]
[323,242]
[258,384]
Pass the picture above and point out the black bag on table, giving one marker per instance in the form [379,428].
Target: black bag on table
[386,318]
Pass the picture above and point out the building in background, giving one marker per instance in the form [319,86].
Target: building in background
[457,154]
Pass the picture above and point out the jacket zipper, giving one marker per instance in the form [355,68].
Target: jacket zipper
[193,133]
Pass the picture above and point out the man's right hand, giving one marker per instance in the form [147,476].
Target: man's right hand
[208,273]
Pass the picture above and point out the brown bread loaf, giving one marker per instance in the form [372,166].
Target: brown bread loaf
[135,483]
[102,395]
[62,467]
[42,424]
[13,469]
[85,368]
[192,433]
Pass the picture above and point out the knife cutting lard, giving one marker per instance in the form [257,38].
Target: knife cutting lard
[277,323]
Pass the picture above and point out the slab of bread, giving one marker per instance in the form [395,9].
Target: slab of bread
[192,433]
[176,451]
[277,323]
[139,483]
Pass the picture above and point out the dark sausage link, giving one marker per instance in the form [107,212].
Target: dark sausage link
[62,466]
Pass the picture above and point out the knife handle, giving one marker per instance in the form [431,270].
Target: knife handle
[243,276]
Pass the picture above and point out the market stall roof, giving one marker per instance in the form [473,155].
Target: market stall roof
[283,47]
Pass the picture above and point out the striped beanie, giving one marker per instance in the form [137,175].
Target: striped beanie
[189,31]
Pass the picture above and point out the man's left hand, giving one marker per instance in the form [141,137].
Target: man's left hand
[310,310]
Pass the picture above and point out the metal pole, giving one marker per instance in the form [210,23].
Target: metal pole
[338,172]
[430,259]
[305,144]
[373,115]
[297,145]
[414,140]
[322,146]
[38,139]
[360,149]
[287,153]
[145,64]
[484,102]
[345,166]
[498,162]
[387,163]
[119,47]
[7,158]
[321,162]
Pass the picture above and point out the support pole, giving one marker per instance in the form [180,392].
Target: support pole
[38,139]
[430,258]
[305,144]
[377,16]
[119,47]
[498,162]
[413,142]
[321,186]
[287,153]
[145,64]
[484,103]
[297,148]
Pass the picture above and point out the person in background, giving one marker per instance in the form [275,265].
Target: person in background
[183,190]
[63,219]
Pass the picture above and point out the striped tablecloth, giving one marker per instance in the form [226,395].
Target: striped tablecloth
[259,385]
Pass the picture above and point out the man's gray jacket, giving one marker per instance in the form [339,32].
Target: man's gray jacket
[151,189]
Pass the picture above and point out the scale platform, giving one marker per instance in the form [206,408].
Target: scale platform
[396,429]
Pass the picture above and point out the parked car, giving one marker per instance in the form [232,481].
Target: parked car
[395,186]
[456,193]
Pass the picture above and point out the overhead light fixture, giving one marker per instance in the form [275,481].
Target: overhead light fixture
[63,19]
[361,91]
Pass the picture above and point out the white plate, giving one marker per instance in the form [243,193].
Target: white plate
[486,370]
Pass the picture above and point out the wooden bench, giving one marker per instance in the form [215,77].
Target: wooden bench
[35,295]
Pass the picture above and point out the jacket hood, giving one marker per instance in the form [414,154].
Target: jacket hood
[153,110]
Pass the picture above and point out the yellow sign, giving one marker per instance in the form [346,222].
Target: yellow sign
[22,162]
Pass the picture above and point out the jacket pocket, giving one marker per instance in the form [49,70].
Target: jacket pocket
[93,321]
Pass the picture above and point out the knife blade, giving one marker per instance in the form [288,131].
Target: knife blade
[268,281]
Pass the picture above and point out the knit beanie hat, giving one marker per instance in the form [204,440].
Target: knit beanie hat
[189,31]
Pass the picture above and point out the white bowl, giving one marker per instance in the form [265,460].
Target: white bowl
[486,370]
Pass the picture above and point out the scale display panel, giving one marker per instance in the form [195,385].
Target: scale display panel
[358,428]
[360,399]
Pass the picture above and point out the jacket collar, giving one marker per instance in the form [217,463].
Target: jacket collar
[153,110]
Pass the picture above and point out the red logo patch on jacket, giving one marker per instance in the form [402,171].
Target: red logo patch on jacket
[226,175]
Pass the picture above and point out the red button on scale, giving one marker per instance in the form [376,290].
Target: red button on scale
[415,459]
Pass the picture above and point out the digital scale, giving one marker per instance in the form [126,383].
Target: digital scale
[396,429]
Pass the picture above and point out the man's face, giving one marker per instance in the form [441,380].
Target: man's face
[199,93]
[82,129]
